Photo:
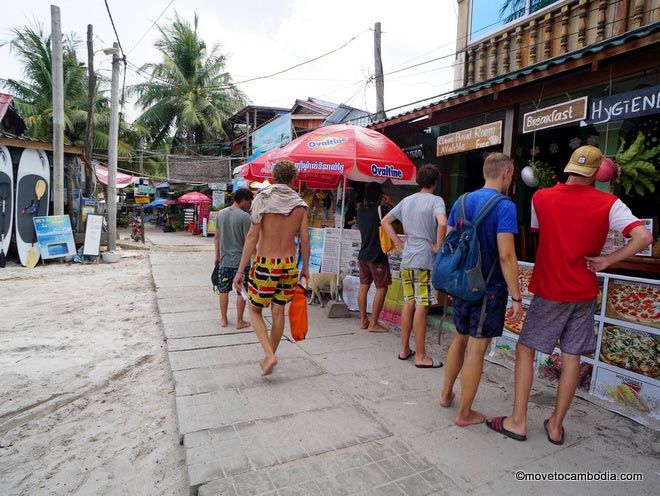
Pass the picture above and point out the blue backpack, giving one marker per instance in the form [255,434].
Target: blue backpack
[457,269]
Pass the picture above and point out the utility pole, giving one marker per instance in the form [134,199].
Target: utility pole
[141,206]
[91,90]
[380,83]
[58,111]
[113,136]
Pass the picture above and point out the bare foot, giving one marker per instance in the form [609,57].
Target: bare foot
[446,400]
[364,324]
[268,364]
[470,419]
[242,324]
[223,322]
[378,328]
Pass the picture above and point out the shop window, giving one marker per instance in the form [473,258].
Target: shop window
[487,16]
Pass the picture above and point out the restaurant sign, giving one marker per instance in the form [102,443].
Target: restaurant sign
[470,139]
[555,115]
[644,101]
[414,152]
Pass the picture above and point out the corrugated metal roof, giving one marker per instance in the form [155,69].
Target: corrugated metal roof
[541,66]
[45,145]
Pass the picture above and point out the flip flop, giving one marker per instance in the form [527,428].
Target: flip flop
[497,424]
[410,353]
[432,366]
[558,443]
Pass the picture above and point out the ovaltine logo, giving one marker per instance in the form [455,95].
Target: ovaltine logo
[328,142]
[386,171]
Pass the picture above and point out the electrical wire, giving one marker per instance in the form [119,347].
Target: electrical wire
[114,28]
[154,23]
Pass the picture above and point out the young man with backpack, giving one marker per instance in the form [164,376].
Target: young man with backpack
[424,222]
[374,265]
[479,321]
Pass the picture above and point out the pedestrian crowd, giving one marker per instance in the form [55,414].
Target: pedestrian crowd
[257,241]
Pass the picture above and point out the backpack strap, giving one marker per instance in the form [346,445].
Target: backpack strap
[460,212]
[380,215]
[486,209]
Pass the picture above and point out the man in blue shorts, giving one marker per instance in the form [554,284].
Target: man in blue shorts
[475,331]
[232,225]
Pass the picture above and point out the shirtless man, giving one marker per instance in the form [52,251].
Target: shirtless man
[278,214]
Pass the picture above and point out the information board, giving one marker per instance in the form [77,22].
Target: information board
[93,231]
[55,236]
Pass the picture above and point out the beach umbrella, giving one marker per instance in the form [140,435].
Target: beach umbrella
[194,198]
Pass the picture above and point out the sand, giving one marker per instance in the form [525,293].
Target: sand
[87,398]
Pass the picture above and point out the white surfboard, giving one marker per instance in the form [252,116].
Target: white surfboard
[6,199]
[33,166]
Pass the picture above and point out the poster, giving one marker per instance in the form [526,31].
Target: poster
[55,236]
[616,240]
[635,398]
[218,198]
[350,248]
[93,231]
[351,286]
[635,351]
[272,135]
[316,239]
[632,301]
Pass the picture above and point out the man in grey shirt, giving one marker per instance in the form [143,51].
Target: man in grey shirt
[424,222]
[232,225]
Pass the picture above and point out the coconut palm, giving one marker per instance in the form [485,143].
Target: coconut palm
[189,95]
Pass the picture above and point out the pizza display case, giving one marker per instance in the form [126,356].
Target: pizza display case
[625,369]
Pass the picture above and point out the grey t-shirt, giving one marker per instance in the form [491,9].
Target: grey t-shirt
[418,214]
[233,225]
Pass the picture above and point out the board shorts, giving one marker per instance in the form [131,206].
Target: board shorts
[272,280]
[376,272]
[417,286]
[226,278]
[467,315]
[569,324]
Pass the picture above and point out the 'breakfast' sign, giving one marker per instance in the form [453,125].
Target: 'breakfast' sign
[555,115]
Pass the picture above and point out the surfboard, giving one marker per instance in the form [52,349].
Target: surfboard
[6,200]
[32,167]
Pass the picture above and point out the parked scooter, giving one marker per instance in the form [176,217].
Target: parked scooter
[136,229]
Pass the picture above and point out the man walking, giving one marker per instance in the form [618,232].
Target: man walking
[573,220]
[374,266]
[232,225]
[278,214]
[475,331]
[424,222]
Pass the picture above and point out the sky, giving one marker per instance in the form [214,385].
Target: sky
[264,36]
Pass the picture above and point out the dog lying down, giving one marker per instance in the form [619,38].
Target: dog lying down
[325,282]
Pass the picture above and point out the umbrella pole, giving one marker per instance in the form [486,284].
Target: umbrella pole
[341,235]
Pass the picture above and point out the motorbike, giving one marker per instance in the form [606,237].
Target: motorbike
[136,229]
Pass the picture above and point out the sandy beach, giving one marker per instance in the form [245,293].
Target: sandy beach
[87,400]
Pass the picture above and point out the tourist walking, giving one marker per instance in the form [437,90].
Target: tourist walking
[278,215]
[424,222]
[232,225]
[373,263]
[478,322]
[573,221]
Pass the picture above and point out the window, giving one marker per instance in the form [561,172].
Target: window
[487,16]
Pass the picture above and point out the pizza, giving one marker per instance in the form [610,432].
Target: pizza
[636,302]
[631,350]
[524,276]
[510,326]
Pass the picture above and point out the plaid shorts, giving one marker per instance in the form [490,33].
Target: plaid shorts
[226,278]
[272,280]
[417,286]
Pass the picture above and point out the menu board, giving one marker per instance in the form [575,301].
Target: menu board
[616,240]
[636,399]
[350,247]
[635,302]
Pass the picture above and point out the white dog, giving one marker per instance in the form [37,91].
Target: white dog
[325,282]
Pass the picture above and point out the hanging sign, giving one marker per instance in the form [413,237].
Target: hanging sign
[644,101]
[414,152]
[470,139]
[555,115]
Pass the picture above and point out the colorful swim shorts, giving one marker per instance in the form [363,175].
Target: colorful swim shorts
[417,286]
[272,279]
[226,279]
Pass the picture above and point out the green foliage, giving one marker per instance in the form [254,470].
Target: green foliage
[545,174]
[190,95]
[636,168]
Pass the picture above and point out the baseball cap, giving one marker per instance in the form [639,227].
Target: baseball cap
[585,161]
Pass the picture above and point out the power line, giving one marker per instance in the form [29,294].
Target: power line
[112,21]
[151,26]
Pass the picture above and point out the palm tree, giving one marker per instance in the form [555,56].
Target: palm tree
[190,95]
[34,100]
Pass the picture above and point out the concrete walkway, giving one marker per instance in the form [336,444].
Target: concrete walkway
[341,415]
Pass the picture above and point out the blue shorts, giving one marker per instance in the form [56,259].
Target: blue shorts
[467,314]
[226,278]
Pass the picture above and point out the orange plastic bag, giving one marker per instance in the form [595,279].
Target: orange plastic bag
[298,313]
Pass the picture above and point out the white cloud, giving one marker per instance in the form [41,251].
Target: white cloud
[262,36]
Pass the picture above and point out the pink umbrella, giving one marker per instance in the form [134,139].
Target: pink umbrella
[194,198]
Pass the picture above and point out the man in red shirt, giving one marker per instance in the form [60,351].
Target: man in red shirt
[573,220]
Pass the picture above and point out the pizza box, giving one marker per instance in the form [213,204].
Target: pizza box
[630,349]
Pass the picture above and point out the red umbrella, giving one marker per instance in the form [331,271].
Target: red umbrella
[328,154]
[261,168]
[194,198]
